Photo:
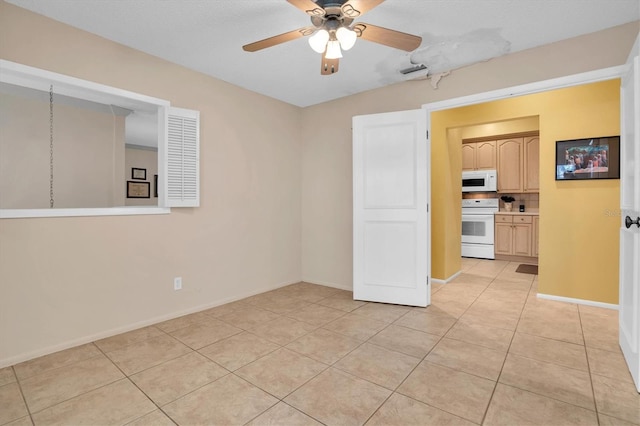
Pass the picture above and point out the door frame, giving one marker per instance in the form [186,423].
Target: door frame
[522,90]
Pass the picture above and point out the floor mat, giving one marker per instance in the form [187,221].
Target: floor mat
[527,269]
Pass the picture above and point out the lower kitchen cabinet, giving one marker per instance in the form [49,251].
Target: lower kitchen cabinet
[514,235]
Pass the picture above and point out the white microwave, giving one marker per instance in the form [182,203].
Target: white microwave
[480,181]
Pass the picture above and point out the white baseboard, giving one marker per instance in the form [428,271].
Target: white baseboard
[328,284]
[447,280]
[6,362]
[578,301]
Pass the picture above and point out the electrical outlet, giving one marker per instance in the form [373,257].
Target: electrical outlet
[177,283]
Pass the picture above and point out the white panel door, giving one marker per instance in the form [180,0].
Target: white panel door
[391,222]
[629,304]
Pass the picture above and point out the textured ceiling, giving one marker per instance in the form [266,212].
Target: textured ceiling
[207,36]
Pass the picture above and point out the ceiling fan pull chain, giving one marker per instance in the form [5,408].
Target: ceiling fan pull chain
[51,146]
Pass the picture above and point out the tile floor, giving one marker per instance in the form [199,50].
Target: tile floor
[486,352]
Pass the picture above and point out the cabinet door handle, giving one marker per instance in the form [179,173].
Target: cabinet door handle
[628,222]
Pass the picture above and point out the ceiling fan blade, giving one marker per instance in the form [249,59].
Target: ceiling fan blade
[355,8]
[329,66]
[281,38]
[391,38]
[308,7]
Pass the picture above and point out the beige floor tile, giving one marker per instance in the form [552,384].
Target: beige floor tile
[382,311]
[427,322]
[342,300]
[283,304]
[281,372]
[54,386]
[487,268]
[549,350]
[555,381]
[324,345]
[472,359]
[400,410]
[154,418]
[227,401]
[510,406]
[507,284]
[55,360]
[466,278]
[227,308]
[173,379]
[337,398]
[202,334]
[314,292]
[283,414]
[489,337]
[467,290]
[355,326]
[148,353]
[116,404]
[249,317]
[7,376]
[125,339]
[616,398]
[11,403]
[436,287]
[600,331]
[452,308]
[453,391]
[612,421]
[23,421]
[488,318]
[381,366]
[552,328]
[468,262]
[406,340]
[183,321]
[238,350]
[609,364]
[316,315]
[283,330]
[503,307]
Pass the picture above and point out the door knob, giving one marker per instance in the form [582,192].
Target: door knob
[628,222]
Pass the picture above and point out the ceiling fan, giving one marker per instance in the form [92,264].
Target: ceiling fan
[333,30]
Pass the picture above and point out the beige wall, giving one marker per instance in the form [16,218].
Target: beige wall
[326,157]
[87,144]
[68,280]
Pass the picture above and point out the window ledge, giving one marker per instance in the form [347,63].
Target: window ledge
[106,211]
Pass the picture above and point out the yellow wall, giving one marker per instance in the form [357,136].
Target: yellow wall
[578,230]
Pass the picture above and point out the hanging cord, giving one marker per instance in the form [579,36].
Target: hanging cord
[51,146]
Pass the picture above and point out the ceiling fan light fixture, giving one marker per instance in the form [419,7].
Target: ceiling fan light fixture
[346,37]
[318,41]
[333,50]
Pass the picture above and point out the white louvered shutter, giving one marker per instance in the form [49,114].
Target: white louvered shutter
[183,158]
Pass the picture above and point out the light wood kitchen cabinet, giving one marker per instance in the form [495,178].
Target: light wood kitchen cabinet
[479,155]
[536,236]
[531,164]
[510,158]
[513,235]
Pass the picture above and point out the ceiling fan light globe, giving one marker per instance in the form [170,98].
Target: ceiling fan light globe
[346,37]
[318,41]
[333,50]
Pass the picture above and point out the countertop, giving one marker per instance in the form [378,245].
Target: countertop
[515,212]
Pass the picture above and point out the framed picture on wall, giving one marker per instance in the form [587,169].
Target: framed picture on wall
[591,158]
[139,174]
[138,189]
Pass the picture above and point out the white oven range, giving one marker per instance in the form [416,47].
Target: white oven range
[478,227]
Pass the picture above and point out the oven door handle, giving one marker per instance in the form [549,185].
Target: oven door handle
[476,217]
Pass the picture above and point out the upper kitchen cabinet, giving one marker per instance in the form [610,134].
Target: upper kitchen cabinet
[479,155]
[531,164]
[510,165]
[518,164]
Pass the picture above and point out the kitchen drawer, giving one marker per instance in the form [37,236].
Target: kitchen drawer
[504,218]
[522,219]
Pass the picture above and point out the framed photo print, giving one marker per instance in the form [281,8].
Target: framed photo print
[138,189]
[591,158]
[139,174]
